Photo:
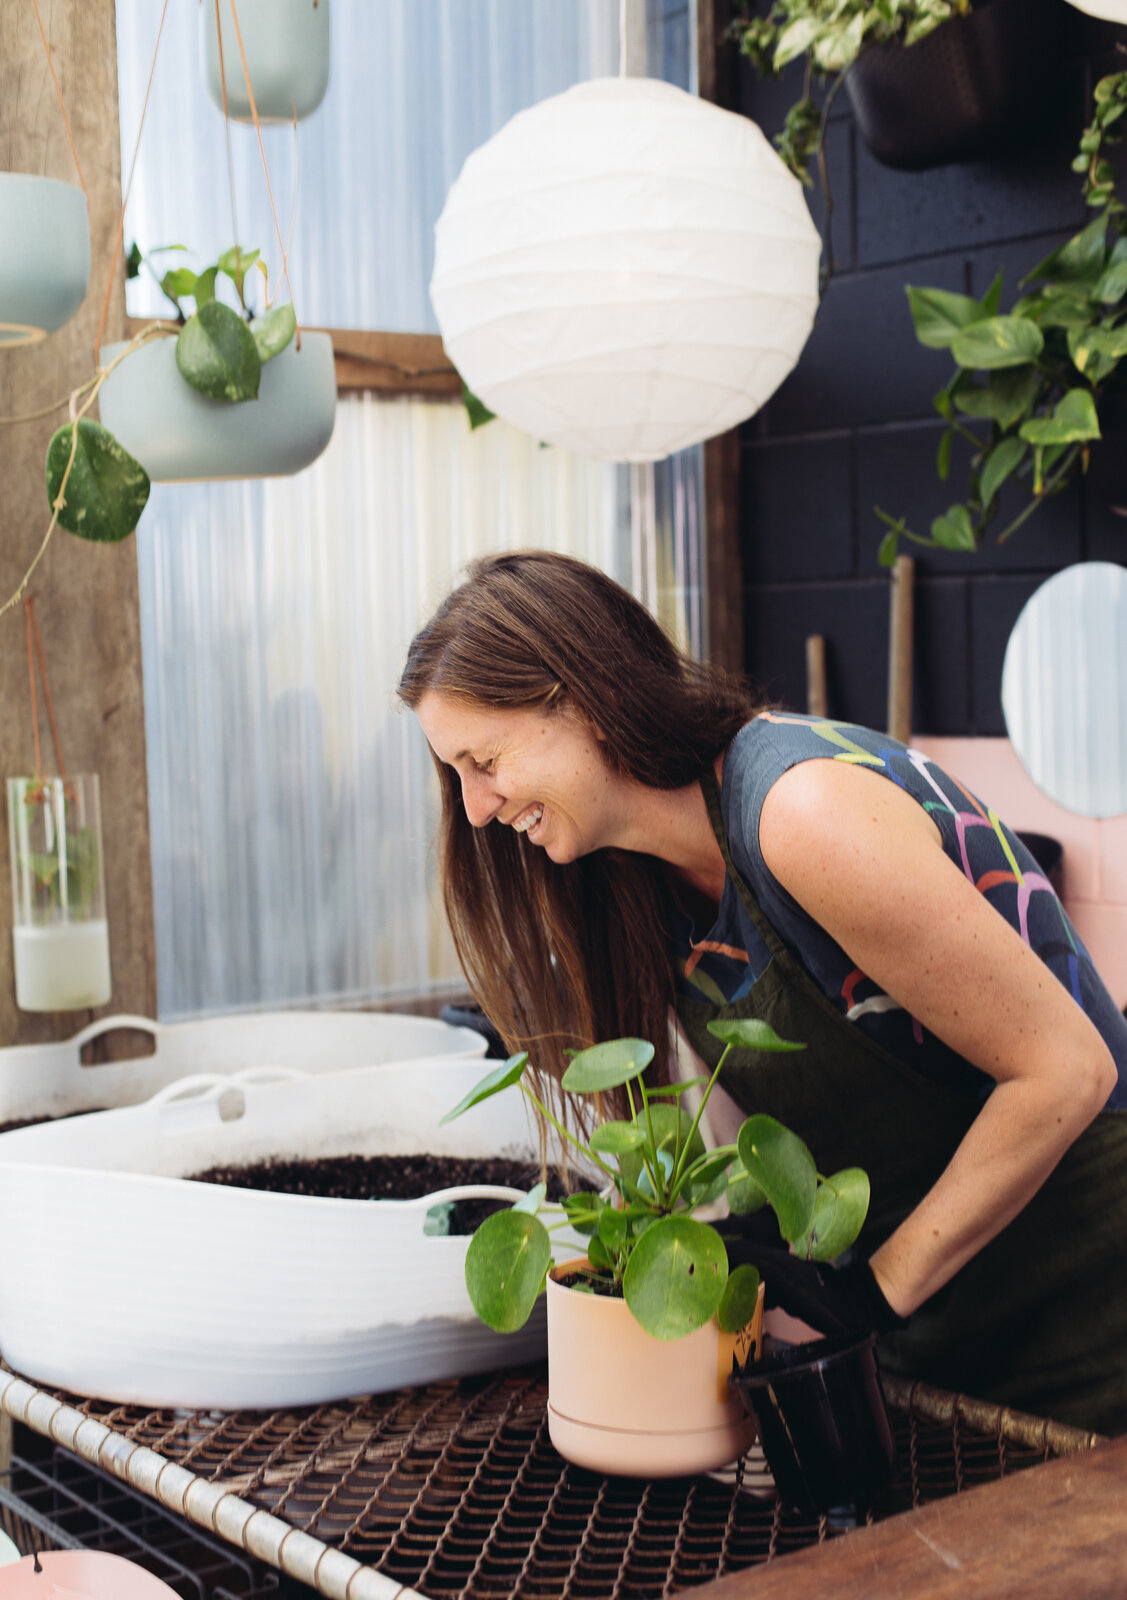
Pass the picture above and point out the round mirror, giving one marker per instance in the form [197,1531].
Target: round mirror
[1064,688]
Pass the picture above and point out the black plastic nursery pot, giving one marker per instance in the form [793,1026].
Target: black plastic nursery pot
[964,92]
[823,1422]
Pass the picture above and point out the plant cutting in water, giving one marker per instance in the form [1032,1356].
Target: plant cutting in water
[646,1245]
[67,873]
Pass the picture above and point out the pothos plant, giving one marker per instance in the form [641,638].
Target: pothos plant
[97,490]
[1028,383]
[830,34]
[654,1172]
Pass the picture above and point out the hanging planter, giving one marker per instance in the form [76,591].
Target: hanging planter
[178,434]
[963,92]
[287,55]
[44,255]
[623,1402]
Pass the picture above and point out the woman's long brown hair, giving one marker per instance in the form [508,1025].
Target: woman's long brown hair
[561,957]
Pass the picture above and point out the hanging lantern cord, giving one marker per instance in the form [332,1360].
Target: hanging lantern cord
[33,633]
[59,97]
[261,148]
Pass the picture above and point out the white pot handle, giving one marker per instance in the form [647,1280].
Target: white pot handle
[266,1074]
[95,1030]
[199,1086]
[427,1203]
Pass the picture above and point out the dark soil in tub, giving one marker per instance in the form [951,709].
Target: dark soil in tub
[387,1178]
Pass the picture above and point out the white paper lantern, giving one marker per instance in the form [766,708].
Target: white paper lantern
[1109,10]
[625,270]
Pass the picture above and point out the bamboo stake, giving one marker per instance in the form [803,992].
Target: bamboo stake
[816,698]
[900,650]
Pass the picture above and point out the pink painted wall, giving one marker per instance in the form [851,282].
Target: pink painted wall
[1095,852]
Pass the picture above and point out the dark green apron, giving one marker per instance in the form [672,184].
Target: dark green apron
[1038,1319]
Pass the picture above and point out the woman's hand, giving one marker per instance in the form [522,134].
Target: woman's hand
[865,860]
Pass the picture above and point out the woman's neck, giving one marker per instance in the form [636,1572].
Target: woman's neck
[674,826]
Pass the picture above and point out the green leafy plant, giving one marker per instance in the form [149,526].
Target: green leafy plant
[645,1244]
[1028,383]
[97,490]
[78,861]
[830,34]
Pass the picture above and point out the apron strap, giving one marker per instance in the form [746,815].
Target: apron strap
[711,791]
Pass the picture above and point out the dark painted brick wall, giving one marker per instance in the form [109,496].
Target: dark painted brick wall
[853,426]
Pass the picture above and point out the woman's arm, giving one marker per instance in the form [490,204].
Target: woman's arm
[866,862]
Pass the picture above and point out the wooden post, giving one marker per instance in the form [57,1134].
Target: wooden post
[900,650]
[817,700]
[85,595]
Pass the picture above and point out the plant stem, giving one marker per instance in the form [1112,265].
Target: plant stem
[700,1110]
[826,272]
[634,1117]
[560,1129]
[1047,489]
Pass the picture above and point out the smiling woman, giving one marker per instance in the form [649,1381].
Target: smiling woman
[625,834]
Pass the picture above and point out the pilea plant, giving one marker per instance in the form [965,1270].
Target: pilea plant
[1031,379]
[97,490]
[654,1172]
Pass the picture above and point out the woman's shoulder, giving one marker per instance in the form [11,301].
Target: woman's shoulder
[775,741]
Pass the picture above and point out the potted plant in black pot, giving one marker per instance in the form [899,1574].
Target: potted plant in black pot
[654,1307]
[930,81]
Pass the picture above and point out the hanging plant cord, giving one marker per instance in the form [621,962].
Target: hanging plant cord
[33,631]
[59,97]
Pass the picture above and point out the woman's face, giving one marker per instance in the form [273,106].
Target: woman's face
[540,772]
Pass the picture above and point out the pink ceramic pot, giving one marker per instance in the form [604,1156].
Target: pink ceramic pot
[80,1575]
[625,1403]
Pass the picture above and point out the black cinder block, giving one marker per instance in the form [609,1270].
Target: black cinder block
[797,510]
[941,698]
[995,605]
[1104,488]
[853,619]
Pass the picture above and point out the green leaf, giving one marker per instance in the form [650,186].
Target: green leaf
[502,1076]
[178,282]
[216,354]
[506,1265]
[840,1208]
[1073,421]
[671,1125]
[993,296]
[943,454]
[599,1256]
[582,1211]
[607,1066]
[205,287]
[675,1277]
[1080,260]
[998,342]
[273,331]
[954,530]
[1096,352]
[744,1194]
[739,1300]
[613,1138]
[133,260]
[750,1033]
[795,40]
[1065,309]
[1113,285]
[613,1228]
[107,490]
[706,1169]
[779,1162]
[533,1200]
[1005,396]
[1005,456]
[236,263]
[476,410]
[939,315]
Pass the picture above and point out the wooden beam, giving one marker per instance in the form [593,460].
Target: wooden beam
[1052,1530]
[383,363]
[724,629]
[86,595]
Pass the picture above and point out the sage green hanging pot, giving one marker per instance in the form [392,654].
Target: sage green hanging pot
[287,54]
[179,435]
[44,255]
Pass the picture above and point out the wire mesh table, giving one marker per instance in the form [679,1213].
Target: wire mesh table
[455,1492]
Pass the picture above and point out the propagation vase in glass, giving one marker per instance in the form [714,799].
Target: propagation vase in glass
[60,935]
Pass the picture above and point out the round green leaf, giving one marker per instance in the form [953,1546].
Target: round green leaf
[782,1166]
[738,1302]
[533,1200]
[582,1211]
[273,331]
[954,530]
[840,1208]
[675,1277]
[607,1066]
[107,490]
[1005,456]
[749,1033]
[216,354]
[506,1265]
[612,1228]
[939,315]
[998,342]
[501,1077]
[744,1194]
[613,1138]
